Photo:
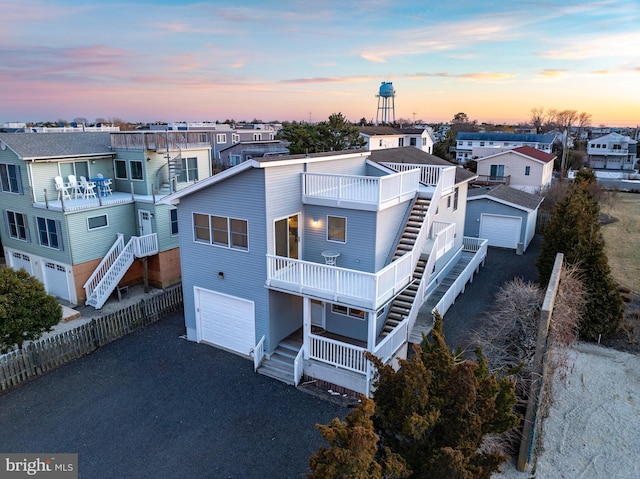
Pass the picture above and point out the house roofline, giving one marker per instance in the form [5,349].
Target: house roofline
[513,150]
[269,162]
[504,202]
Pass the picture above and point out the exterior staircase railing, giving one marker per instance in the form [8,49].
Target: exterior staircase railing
[114,266]
[399,335]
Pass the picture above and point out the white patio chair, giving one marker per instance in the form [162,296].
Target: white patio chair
[88,188]
[62,188]
[76,185]
[106,184]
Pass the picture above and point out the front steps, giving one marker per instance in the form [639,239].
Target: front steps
[280,364]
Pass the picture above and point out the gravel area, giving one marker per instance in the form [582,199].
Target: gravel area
[155,405]
[469,312]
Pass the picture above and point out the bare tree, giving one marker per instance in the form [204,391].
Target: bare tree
[537,118]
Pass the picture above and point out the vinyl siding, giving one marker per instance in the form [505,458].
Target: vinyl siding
[162,226]
[346,326]
[389,226]
[358,253]
[88,245]
[139,187]
[245,272]
[476,207]
[282,197]
[339,166]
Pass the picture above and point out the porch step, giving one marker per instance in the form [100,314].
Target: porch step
[280,365]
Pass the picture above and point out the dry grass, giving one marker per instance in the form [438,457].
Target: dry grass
[622,239]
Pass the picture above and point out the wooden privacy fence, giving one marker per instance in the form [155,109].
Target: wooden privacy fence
[39,357]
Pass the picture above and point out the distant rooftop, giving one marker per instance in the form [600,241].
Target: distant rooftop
[500,136]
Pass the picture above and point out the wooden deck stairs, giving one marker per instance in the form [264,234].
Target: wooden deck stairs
[402,303]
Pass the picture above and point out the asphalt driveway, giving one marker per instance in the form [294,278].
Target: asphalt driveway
[154,405]
[469,313]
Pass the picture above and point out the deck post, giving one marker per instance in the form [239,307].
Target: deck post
[306,325]
[371,330]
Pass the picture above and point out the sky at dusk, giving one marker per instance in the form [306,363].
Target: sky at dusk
[182,60]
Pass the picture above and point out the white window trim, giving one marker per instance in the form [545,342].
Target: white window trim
[89,228]
[211,243]
[348,314]
[345,229]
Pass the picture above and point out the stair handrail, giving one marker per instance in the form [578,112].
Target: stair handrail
[104,265]
[109,272]
[258,353]
[298,368]
[113,276]
[423,236]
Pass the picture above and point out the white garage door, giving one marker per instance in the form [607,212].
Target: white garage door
[225,321]
[56,280]
[502,231]
[21,261]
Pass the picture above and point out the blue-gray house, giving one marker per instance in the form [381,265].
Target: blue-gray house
[306,262]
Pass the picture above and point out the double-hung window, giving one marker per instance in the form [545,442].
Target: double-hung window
[189,170]
[527,170]
[10,178]
[49,233]
[17,225]
[221,138]
[136,169]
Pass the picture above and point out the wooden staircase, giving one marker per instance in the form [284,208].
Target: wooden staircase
[280,364]
[402,303]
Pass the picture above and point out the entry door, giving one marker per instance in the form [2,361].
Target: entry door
[287,237]
[144,222]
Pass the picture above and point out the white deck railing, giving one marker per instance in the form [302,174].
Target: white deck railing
[115,264]
[356,288]
[337,353]
[443,235]
[392,342]
[369,190]
[479,248]
[429,174]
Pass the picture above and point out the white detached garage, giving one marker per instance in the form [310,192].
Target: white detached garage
[225,321]
[501,231]
[504,216]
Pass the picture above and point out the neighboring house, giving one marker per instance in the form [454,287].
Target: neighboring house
[504,216]
[524,168]
[246,150]
[472,145]
[306,262]
[82,243]
[612,152]
[223,135]
[382,137]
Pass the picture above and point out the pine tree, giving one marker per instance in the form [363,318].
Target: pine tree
[574,230]
[435,411]
[353,450]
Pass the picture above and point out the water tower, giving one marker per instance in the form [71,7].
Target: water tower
[386,103]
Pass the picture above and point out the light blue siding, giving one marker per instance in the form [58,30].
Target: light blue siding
[475,209]
[390,223]
[245,272]
[282,197]
[339,166]
[359,252]
[346,326]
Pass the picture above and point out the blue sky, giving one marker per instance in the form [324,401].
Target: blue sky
[294,60]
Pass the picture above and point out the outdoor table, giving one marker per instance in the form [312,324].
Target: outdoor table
[330,257]
[100,183]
